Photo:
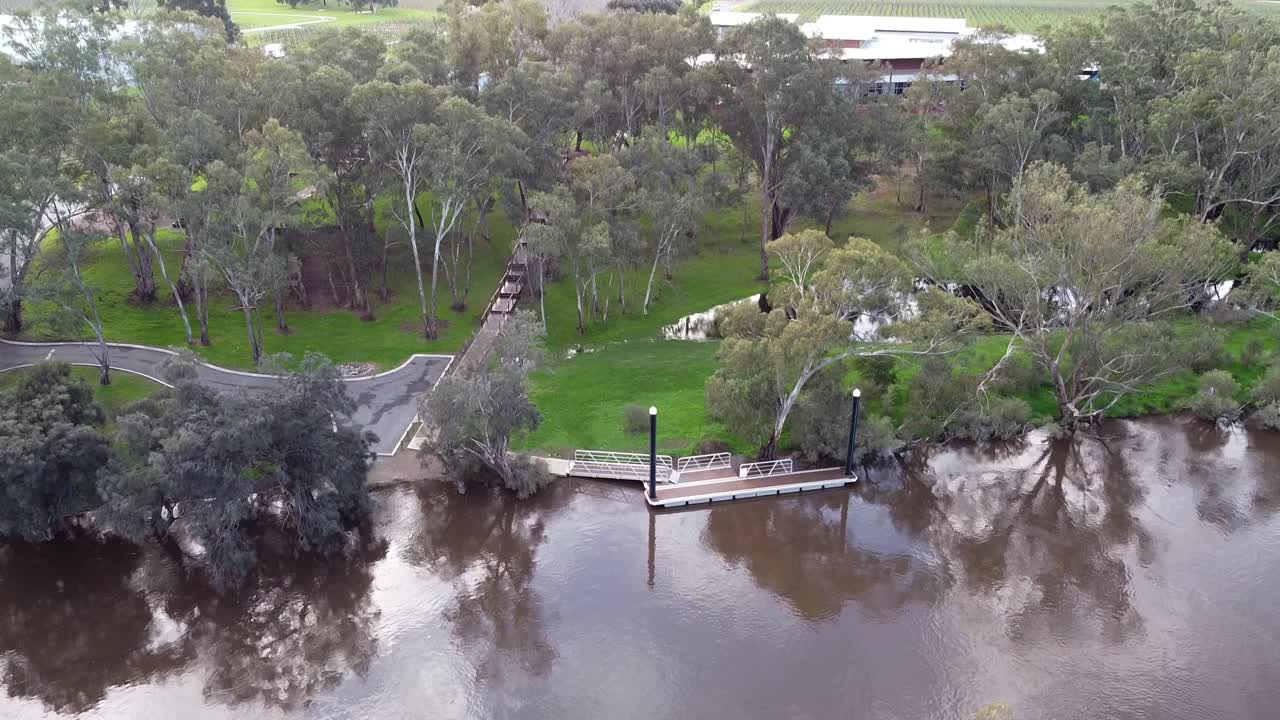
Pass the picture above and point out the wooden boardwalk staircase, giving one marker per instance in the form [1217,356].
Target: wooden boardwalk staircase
[502,304]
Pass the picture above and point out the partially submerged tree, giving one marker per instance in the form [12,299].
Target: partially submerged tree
[475,414]
[51,447]
[1081,282]
[198,465]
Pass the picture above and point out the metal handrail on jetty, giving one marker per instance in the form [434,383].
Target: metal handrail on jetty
[607,465]
[712,461]
[766,469]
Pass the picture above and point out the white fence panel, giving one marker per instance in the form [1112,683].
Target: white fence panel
[766,469]
[693,463]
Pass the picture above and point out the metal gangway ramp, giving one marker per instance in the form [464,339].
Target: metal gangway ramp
[605,465]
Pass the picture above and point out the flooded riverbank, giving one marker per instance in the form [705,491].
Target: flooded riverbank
[1129,575]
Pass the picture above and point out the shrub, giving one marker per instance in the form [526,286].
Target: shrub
[1217,397]
[1269,416]
[1252,352]
[933,395]
[1019,376]
[1206,350]
[1267,391]
[662,7]
[877,437]
[635,419]
[880,372]
[999,418]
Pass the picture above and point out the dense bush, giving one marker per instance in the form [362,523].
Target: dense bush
[1267,391]
[635,419]
[1021,375]
[877,437]
[878,372]
[820,426]
[998,418]
[1217,397]
[933,394]
[1269,416]
[665,7]
[1252,352]
[1206,350]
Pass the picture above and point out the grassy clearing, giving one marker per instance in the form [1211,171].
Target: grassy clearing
[123,390]
[1026,16]
[249,14]
[387,341]
[582,397]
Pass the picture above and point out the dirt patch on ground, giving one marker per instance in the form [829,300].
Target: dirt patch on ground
[417,329]
[356,369]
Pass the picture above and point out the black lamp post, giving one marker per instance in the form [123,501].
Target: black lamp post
[853,432]
[653,453]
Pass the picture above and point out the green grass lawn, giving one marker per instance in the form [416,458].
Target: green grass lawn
[250,14]
[124,389]
[582,399]
[387,341]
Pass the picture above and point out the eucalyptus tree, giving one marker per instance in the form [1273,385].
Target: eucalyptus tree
[55,71]
[51,447]
[768,360]
[670,198]
[334,134]
[112,138]
[74,300]
[466,152]
[485,41]
[253,204]
[393,116]
[777,88]
[1189,94]
[209,463]
[182,80]
[629,65]
[477,412]
[538,98]
[582,217]
[1082,283]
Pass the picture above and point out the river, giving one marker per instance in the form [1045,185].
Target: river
[1134,575]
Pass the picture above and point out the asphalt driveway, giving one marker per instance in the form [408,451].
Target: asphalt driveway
[386,404]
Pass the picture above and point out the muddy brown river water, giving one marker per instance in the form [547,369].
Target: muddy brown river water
[1131,576]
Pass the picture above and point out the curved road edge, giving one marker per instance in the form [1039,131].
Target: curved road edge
[386,403]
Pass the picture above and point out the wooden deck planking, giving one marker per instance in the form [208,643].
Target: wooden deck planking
[732,488]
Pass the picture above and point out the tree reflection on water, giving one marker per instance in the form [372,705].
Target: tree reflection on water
[485,544]
[73,625]
[801,549]
[79,617]
[1042,528]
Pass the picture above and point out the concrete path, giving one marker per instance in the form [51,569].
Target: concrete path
[386,403]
